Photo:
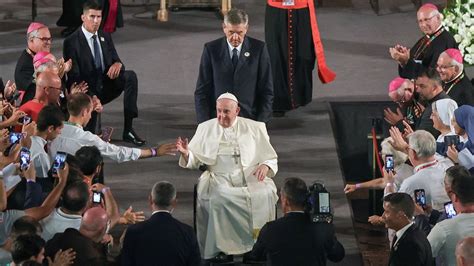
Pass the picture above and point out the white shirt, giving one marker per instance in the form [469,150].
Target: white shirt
[431,179]
[445,235]
[73,137]
[402,231]
[58,222]
[90,41]
[231,48]
[39,156]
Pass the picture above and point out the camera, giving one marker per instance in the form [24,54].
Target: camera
[25,158]
[25,120]
[318,204]
[59,161]
[96,197]
[451,140]
[420,197]
[449,209]
[389,164]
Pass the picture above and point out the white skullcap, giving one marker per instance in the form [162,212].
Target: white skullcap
[229,96]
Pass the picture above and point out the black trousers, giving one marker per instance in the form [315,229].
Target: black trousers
[127,83]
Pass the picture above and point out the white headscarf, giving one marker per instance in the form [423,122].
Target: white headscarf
[445,109]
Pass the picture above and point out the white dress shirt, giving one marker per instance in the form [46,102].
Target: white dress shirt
[39,156]
[231,48]
[90,42]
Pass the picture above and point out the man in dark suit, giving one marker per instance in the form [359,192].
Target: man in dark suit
[237,64]
[295,239]
[161,240]
[409,246]
[96,62]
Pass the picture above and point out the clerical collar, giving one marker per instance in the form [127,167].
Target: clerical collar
[72,124]
[425,165]
[456,77]
[30,52]
[437,31]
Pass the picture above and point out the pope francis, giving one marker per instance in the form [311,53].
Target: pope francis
[236,196]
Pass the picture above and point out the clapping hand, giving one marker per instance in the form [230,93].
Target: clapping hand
[397,141]
[261,172]
[408,130]
[400,53]
[10,88]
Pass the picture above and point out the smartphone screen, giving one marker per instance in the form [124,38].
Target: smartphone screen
[451,140]
[324,203]
[25,158]
[449,209]
[389,164]
[96,197]
[107,133]
[15,137]
[59,162]
[420,197]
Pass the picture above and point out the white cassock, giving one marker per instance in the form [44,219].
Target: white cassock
[232,205]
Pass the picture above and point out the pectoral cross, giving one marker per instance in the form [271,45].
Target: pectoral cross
[236,157]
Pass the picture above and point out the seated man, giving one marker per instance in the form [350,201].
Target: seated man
[48,90]
[446,234]
[96,62]
[38,40]
[86,241]
[455,82]
[236,196]
[73,136]
[161,238]
[295,239]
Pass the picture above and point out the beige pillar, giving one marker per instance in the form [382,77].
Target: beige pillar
[162,14]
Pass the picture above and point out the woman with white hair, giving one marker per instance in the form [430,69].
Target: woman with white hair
[401,169]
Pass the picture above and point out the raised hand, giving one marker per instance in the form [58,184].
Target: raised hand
[391,117]
[131,217]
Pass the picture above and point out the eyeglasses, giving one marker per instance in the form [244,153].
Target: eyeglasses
[426,19]
[45,39]
[443,67]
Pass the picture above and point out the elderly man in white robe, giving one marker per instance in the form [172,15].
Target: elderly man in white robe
[236,196]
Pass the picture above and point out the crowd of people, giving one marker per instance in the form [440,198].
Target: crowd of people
[428,177]
[56,209]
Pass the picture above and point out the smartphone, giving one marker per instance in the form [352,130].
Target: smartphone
[25,120]
[389,164]
[16,137]
[107,133]
[449,209]
[324,206]
[25,158]
[451,140]
[420,197]
[59,161]
[96,197]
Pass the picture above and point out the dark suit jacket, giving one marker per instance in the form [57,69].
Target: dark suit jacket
[24,76]
[295,240]
[412,249]
[251,82]
[160,240]
[83,68]
[425,122]
[462,92]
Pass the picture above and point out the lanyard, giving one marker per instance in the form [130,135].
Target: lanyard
[427,165]
[456,81]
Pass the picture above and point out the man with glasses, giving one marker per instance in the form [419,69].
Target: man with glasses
[426,50]
[455,82]
[38,40]
[236,64]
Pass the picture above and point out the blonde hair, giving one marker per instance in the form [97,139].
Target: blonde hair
[398,157]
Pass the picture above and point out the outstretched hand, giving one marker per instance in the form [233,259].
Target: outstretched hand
[182,146]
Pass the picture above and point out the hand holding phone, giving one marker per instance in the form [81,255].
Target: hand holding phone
[59,162]
[96,197]
[420,197]
[451,140]
[449,209]
[16,137]
[389,163]
[25,158]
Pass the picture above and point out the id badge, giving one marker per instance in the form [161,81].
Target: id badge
[288,2]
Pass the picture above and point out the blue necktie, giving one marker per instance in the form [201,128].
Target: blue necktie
[97,61]
[235,58]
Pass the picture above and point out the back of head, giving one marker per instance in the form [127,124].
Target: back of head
[235,17]
[94,223]
[455,171]
[75,196]
[25,225]
[89,158]
[26,246]
[91,4]
[50,115]
[387,148]
[433,75]
[295,191]
[162,195]
[401,202]
[463,187]
[78,102]
[423,143]
[465,251]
